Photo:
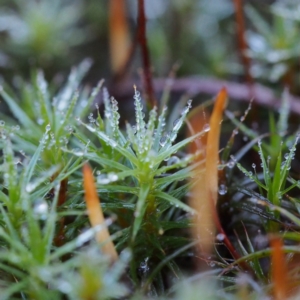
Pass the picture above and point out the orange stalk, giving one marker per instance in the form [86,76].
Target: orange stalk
[205,191]
[95,213]
[279,269]
[119,35]
[212,148]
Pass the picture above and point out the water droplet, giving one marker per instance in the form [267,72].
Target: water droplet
[30,187]
[84,237]
[163,140]
[103,179]
[173,160]
[2,123]
[222,189]
[253,165]
[206,127]
[177,124]
[77,152]
[144,268]
[185,110]
[286,155]
[113,143]
[64,286]
[220,237]
[40,209]
[112,176]
[231,164]
[48,127]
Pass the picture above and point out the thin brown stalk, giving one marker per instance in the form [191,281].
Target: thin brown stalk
[145,53]
[62,198]
[206,189]
[242,44]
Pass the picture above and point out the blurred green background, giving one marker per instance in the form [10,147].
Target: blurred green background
[200,35]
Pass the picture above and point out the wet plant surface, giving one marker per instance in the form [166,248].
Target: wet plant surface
[175,190]
[149,191]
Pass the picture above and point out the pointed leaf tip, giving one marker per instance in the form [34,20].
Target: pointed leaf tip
[95,213]
[221,100]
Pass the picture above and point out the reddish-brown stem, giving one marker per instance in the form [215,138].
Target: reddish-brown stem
[226,240]
[145,53]
[62,197]
[242,45]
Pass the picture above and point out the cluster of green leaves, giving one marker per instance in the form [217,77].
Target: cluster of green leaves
[31,266]
[264,193]
[274,45]
[46,34]
[141,174]
[32,169]
[139,179]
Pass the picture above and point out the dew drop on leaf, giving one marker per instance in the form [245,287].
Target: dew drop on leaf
[220,237]
[112,176]
[103,179]
[163,140]
[206,127]
[222,189]
[173,160]
[231,164]
[40,209]
[177,124]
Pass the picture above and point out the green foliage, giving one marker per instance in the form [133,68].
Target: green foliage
[139,178]
[37,30]
[274,45]
[142,177]
[143,171]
